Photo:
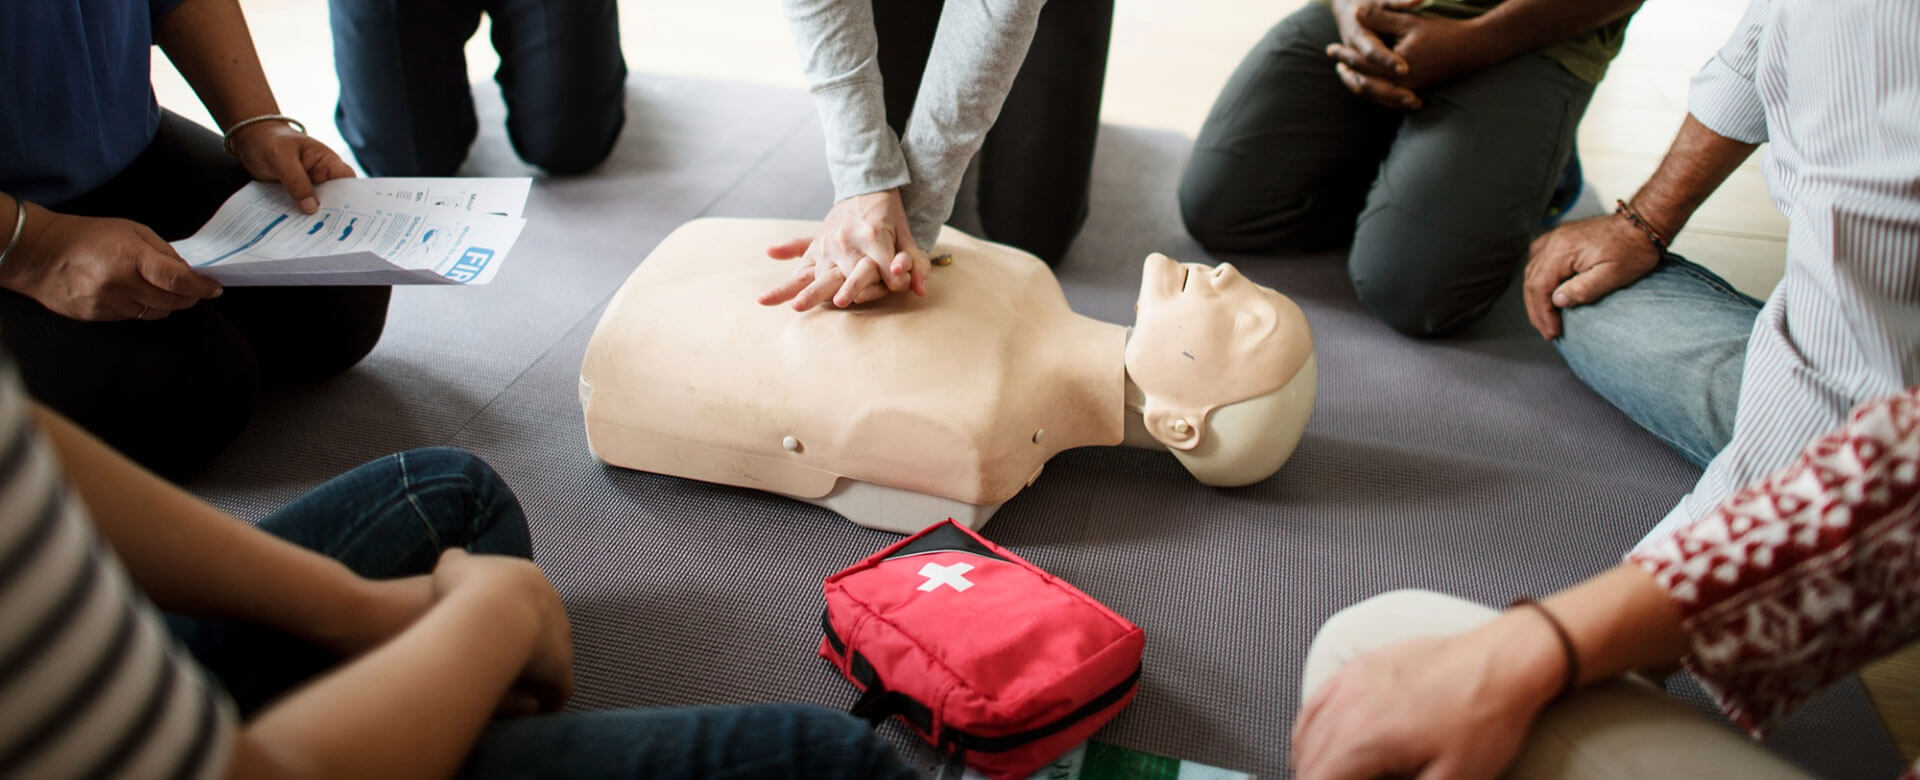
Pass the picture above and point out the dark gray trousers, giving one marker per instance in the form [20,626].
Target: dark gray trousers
[1439,204]
[1035,167]
[406,108]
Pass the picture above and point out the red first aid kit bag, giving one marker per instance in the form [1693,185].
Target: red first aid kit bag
[985,655]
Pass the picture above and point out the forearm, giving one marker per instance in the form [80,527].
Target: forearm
[977,53]
[1619,621]
[412,708]
[166,537]
[1697,163]
[1516,27]
[208,41]
[839,49]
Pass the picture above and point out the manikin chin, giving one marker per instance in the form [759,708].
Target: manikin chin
[906,411]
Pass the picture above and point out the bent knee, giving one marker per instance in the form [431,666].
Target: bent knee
[1420,307]
[1424,281]
[1222,222]
[569,142]
[361,321]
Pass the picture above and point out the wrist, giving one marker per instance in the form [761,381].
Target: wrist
[370,612]
[1636,219]
[254,125]
[16,269]
[1496,39]
[1532,659]
[510,611]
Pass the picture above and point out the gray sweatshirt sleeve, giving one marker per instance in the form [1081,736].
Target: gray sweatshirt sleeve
[976,53]
[837,46]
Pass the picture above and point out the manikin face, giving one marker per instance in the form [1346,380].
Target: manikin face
[1206,337]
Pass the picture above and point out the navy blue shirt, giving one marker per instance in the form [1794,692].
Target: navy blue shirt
[76,92]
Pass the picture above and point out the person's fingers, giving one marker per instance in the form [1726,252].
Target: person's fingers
[323,165]
[919,263]
[866,274]
[286,166]
[1378,18]
[916,267]
[786,290]
[1352,57]
[1543,275]
[819,290]
[871,293]
[167,270]
[1314,706]
[790,250]
[1593,284]
[1354,764]
[1309,727]
[869,247]
[1378,90]
[159,303]
[1365,39]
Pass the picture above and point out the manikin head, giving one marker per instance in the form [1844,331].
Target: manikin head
[1226,369]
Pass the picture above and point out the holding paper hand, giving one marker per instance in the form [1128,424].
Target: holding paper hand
[111,325]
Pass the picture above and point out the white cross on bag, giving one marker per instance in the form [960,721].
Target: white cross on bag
[938,575]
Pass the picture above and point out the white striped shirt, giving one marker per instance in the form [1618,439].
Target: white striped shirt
[91,683]
[1833,88]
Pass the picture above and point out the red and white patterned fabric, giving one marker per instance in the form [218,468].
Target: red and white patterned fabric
[1799,579]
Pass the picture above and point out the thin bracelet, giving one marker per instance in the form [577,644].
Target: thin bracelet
[1566,644]
[226,141]
[1659,242]
[19,227]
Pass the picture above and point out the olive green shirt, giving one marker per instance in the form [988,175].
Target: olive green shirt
[1585,55]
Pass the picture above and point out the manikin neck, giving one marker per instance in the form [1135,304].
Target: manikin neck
[1136,423]
[1089,370]
[1136,430]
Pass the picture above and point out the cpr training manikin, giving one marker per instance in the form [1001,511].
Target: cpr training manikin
[906,411]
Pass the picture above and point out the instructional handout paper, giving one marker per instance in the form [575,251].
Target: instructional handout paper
[367,231]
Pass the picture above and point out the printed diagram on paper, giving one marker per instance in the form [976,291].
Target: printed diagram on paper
[367,231]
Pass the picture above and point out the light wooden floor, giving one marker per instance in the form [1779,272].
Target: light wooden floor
[1167,63]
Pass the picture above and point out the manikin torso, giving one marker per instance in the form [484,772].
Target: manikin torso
[896,414]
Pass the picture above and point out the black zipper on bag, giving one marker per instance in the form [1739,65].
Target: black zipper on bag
[945,537]
[833,639]
[877,704]
[1004,743]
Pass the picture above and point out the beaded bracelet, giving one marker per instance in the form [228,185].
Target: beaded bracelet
[19,227]
[1566,644]
[1621,207]
[226,141]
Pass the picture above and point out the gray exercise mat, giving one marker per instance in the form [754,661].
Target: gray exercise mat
[1475,465]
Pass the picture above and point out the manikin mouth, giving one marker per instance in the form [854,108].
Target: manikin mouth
[1186,275]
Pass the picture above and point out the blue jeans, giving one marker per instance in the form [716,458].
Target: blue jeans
[392,518]
[1667,350]
[406,108]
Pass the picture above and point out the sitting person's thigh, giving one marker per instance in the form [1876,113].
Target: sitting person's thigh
[1462,191]
[1285,157]
[1668,350]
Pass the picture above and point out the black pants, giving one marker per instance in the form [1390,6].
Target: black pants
[170,393]
[1036,164]
[1439,204]
[406,108]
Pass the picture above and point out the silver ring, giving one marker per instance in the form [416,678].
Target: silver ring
[143,313]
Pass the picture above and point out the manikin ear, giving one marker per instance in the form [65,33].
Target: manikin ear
[1179,429]
[1253,325]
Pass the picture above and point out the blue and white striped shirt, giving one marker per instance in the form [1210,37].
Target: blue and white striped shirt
[91,683]
[1833,88]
